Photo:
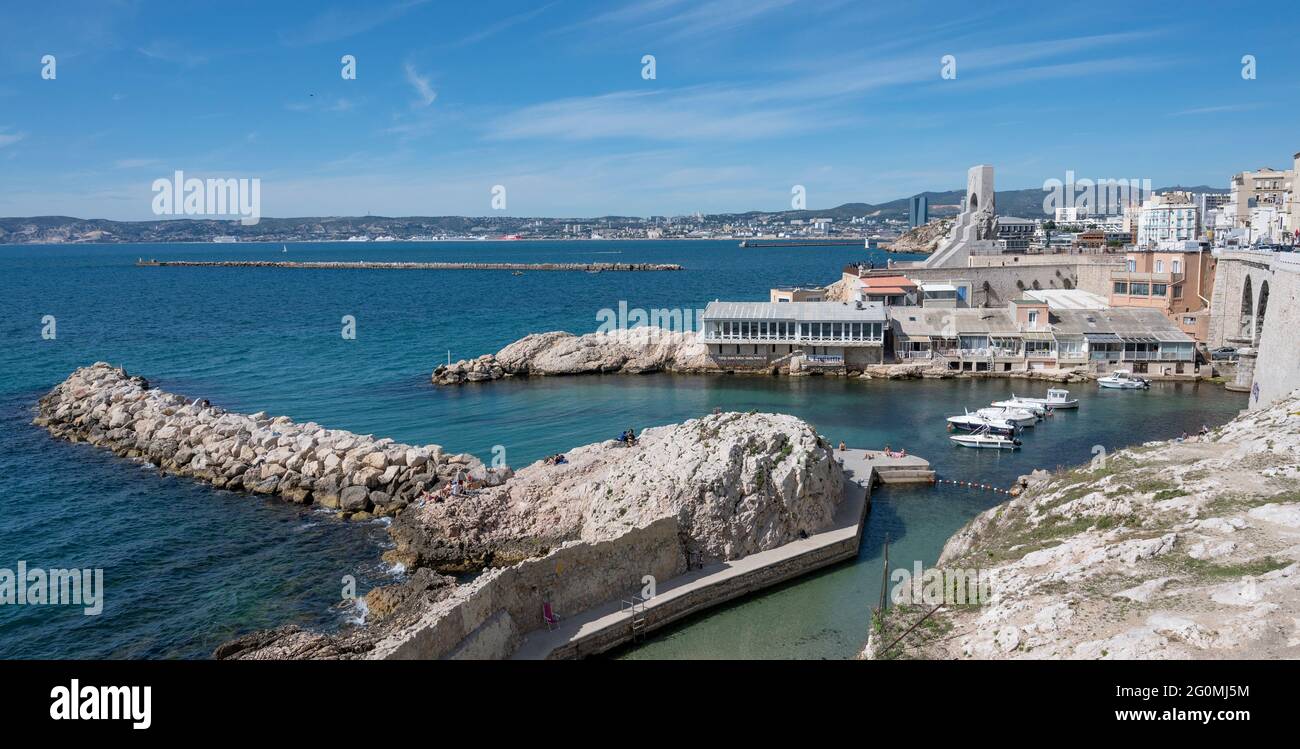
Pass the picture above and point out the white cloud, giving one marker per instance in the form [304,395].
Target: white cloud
[8,139]
[423,88]
[340,23]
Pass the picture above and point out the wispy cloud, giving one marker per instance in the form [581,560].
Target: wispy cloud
[1216,109]
[498,27]
[172,52]
[135,163]
[343,22]
[423,88]
[8,139]
[701,113]
[675,20]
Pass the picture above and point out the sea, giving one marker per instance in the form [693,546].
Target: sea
[186,566]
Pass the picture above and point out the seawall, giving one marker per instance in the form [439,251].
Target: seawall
[302,463]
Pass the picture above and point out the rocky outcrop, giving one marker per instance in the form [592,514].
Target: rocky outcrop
[922,239]
[304,463]
[1181,549]
[736,483]
[631,351]
[581,533]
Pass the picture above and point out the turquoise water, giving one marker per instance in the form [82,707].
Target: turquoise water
[187,566]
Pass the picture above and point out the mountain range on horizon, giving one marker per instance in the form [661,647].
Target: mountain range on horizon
[67,229]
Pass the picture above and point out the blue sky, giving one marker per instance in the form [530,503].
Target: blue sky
[547,98]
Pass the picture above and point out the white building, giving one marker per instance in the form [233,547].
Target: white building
[1171,217]
[763,335]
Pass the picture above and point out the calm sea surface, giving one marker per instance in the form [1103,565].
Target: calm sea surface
[187,566]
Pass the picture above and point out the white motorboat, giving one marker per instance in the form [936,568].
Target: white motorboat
[1122,379]
[970,422]
[1018,416]
[1036,409]
[1056,398]
[986,441]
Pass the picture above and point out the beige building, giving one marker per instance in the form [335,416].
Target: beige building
[797,294]
[1177,280]
[1262,187]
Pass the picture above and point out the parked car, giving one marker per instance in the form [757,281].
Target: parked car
[1224,353]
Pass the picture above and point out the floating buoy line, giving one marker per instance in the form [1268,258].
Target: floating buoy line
[1013,492]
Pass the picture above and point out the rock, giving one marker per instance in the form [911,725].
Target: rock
[738,484]
[354,498]
[634,350]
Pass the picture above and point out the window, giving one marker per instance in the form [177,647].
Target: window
[1138,289]
[1159,289]
[1178,291]
[1189,320]
[1160,266]
[1132,265]
[1177,266]
[1121,287]
[1033,318]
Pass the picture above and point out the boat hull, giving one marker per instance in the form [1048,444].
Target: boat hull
[985,444]
[977,426]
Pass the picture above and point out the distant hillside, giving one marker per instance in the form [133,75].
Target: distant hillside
[66,229]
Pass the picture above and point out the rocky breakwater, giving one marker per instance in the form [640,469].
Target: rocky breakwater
[720,487]
[1182,549]
[304,463]
[631,351]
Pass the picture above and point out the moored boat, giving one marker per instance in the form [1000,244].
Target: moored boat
[1020,403]
[1056,398]
[970,422]
[984,440]
[1122,379]
[1019,416]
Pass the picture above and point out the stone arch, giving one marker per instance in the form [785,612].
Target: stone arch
[1259,313]
[1246,327]
[973,204]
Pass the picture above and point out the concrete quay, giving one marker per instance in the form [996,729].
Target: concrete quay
[615,623]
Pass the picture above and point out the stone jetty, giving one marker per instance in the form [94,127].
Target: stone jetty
[373,265]
[630,351]
[303,463]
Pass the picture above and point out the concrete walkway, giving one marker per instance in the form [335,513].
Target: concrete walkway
[603,627]
[906,470]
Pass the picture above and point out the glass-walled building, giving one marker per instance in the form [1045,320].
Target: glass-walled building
[762,335]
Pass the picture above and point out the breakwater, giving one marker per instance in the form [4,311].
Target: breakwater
[374,265]
[304,463]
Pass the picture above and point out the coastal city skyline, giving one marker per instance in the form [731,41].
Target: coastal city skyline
[554,103]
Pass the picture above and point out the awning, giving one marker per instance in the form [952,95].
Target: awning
[1137,338]
[1102,338]
[1036,335]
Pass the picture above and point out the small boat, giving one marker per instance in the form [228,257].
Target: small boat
[986,441]
[1056,398]
[517,273]
[1022,404]
[970,422]
[284,248]
[1018,416]
[1122,379]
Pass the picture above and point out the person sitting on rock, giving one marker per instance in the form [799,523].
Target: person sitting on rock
[843,447]
[560,459]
